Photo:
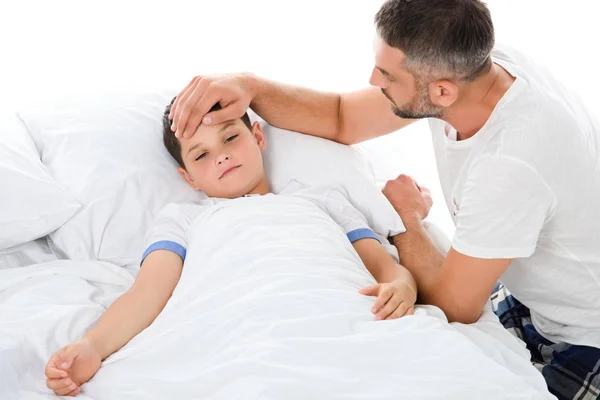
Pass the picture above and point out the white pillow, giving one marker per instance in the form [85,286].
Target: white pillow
[32,203]
[316,161]
[108,151]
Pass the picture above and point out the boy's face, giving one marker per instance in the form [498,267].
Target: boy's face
[224,160]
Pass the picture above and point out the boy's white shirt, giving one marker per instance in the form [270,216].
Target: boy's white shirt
[527,186]
[173,222]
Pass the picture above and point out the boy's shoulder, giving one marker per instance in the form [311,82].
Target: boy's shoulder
[189,209]
[323,191]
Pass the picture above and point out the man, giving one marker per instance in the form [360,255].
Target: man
[518,159]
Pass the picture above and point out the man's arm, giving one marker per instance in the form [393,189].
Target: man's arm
[460,285]
[346,118]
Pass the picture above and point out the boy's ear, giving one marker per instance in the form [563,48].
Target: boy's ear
[259,135]
[188,178]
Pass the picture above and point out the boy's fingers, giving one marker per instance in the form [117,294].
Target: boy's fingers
[52,371]
[382,299]
[389,308]
[56,384]
[65,390]
[74,392]
[372,290]
[400,311]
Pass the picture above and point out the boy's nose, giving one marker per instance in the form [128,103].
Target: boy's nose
[222,158]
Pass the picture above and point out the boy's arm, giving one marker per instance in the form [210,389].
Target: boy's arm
[396,291]
[137,308]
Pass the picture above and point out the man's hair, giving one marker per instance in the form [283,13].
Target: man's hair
[449,39]
[172,143]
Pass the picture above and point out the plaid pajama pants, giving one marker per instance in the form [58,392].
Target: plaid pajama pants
[570,371]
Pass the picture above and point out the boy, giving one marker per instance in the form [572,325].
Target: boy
[225,162]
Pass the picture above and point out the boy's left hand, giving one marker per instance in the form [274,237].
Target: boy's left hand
[394,300]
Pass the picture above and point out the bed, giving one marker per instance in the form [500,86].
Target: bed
[288,326]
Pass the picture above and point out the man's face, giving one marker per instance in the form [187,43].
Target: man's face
[408,97]
[224,160]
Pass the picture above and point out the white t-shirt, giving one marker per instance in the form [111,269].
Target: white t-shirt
[527,186]
[171,227]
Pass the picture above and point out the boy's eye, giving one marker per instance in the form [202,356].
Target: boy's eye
[231,138]
[201,156]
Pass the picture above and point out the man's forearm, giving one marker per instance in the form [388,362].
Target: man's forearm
[421,257]
[296,108]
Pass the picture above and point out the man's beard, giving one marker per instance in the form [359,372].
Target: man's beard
[420,106]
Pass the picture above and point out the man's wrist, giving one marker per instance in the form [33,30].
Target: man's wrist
[411,220]
[252,83]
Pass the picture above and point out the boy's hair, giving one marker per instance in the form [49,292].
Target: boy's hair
[172,143]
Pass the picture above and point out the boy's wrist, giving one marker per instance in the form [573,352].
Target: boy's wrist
[96,344]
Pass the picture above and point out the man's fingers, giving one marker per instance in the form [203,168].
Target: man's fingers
[388,309]
[179,96]
[198,111]
[187,106]
[57,384]
[228,113]
[410,311]
[180,99]
[382,299]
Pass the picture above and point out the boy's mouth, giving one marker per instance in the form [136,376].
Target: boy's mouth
[228,171]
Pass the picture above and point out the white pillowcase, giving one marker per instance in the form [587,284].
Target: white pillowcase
[107,150]
[316,161]
[32,203]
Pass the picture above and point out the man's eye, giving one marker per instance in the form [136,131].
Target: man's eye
[201,156]
[231,138]
[388,78]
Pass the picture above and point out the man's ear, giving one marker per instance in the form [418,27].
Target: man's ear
[443,93]
[188,178]
[259,135]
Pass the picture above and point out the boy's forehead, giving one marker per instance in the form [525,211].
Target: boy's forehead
[206,131]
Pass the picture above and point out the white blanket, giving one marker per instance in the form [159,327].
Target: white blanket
[270,312]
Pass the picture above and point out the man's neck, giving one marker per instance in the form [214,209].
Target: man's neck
[477,102]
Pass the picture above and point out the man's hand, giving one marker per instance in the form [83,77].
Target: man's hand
[410,200]
[394,300]
[193,103]
[71,367]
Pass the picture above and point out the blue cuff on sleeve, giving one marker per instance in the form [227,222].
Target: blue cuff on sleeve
[362,233]
[166,245]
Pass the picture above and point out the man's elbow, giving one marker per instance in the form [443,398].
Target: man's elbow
[464,312]
[468,315]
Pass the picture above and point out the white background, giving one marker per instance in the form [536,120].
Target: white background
[55,47]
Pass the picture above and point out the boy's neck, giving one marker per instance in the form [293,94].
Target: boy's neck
[262,188]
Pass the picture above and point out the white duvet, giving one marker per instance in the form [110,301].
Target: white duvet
[267,308]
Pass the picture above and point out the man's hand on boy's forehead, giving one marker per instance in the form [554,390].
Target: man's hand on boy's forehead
[192,105]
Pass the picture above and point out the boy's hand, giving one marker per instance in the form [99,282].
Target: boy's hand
[71,367]
[394,300]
